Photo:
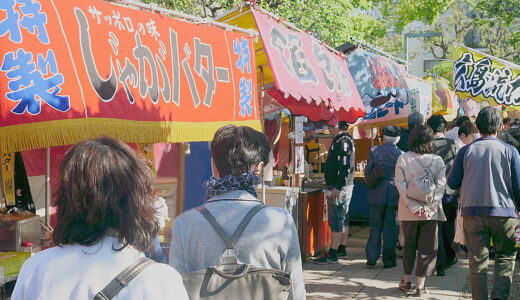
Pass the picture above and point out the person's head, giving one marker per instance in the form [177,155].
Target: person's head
[391,134]
[467,132]
[239,150]
[105,186]
[437,123]
[461,120]
[415,119]
[421,140]
[489,121]
[507,122]
[343,126]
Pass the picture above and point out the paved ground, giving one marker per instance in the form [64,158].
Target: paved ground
[351,279]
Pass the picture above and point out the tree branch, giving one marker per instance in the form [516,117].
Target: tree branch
[464,27]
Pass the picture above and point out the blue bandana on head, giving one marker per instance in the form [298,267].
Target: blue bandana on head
[246,182]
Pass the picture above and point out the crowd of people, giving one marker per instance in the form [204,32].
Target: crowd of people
[431,191]
[441,177]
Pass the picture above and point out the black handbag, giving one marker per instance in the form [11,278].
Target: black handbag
[377,174]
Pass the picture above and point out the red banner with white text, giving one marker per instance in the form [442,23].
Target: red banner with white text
[310,79]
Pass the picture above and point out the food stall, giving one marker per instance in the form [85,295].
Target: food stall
[298,72]
[132,71]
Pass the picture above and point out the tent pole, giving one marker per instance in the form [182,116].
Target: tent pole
[262,120]
[47,186]
[181,178]
[261,94]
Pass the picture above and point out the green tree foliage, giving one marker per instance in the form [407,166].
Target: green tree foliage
[187,6]
[501,17]
[479,19]
[507,11]
[402,12]
[333,21]
[445,70]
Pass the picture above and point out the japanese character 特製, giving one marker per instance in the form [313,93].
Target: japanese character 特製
[29,86]
[246,95]
[241,48]
[10,23]
[33,19]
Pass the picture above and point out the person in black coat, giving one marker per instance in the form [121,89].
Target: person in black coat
[339,177]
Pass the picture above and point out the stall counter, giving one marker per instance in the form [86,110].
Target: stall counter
[309,211]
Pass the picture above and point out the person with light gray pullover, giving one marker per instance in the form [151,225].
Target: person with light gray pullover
[487,172]
[420,207]
[270,239]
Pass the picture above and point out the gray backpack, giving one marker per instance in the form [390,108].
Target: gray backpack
[232,280]
[422,186]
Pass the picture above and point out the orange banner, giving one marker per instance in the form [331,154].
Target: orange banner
[76,69]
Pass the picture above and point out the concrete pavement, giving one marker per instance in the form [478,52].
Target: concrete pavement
[351,279]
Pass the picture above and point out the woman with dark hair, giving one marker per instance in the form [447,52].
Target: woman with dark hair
[269,240]
[420,178]
[106,219]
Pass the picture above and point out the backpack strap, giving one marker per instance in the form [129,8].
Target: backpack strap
[429,167]
[123,278]
[230,254]
[216,226]
[378,156]
[247,219]
[230,242]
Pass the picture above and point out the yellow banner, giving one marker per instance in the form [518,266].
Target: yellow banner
[147,151]
[8,177]
[442,102]
[484,78]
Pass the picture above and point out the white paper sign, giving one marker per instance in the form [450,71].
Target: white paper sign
[299,162]
[298,128]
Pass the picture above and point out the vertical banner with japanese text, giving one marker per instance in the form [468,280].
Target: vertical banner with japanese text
[8,178]
[479,77]
[76,69]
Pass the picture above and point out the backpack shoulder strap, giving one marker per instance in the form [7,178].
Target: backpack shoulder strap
[123,278]
[230,243]
[379,157]
[247,219]
[421,163]
[216,226]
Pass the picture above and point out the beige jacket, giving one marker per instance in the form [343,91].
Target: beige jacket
[406,168]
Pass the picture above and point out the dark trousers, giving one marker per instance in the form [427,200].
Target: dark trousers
[382,221]
[445,253]
[420,240]
[479,231]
